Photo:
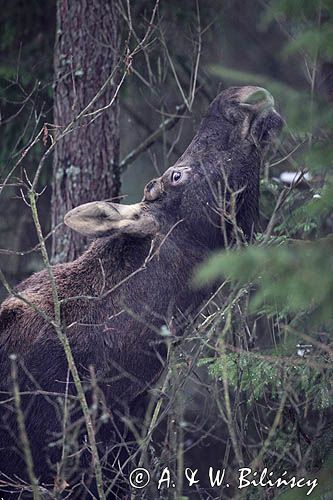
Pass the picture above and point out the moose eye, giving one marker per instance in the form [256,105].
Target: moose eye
[176,176]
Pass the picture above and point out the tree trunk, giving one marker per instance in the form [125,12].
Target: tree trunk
[85,160]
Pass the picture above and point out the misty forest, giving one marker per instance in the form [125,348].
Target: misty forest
[166,249]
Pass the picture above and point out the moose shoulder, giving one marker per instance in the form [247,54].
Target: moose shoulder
[135,276]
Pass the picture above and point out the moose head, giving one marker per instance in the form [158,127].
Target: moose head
[223,158]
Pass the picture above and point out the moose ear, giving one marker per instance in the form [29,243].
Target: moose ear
[101,218]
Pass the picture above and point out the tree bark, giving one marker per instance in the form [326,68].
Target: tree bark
[86,161]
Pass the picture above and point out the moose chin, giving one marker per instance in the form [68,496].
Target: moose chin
[114,299]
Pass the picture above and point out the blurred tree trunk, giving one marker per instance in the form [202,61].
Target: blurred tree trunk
[85,160]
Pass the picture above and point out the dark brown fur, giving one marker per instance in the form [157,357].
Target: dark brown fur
[117,333]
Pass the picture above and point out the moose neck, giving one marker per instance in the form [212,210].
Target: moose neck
[146,281]
[112,258]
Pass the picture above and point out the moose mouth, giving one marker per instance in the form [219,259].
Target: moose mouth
[262,122]
[256,98]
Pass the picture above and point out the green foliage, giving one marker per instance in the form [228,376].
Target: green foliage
[292,278]
[300,11]
[313,40]
[257,375]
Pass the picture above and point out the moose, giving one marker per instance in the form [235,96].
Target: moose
[134,278]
